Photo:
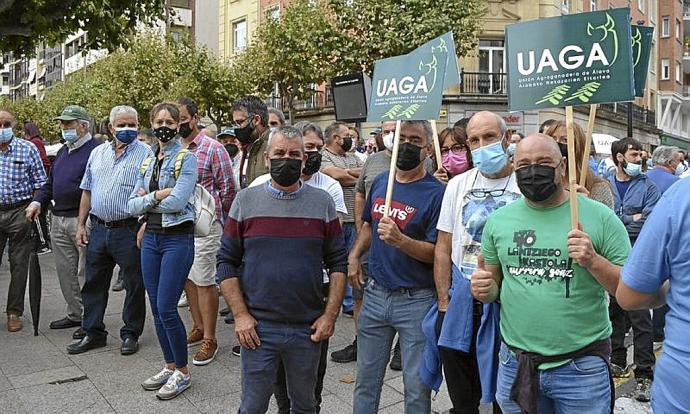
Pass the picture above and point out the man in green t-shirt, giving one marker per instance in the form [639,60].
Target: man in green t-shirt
[552,284]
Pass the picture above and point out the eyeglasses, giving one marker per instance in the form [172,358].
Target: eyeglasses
[482,193]
[238,124]
[455,148]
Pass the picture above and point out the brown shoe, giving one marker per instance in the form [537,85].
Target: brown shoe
[14,323]
[207,352]
[194,337]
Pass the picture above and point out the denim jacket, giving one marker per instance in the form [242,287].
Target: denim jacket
[640,198]
[175,208]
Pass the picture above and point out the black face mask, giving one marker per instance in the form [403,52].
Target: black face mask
[347,144]
[185,130]
[164,133]
[313,163]
[408,157]
[244,135]
[536,182]
[285,171]
[232,150]
[564,149]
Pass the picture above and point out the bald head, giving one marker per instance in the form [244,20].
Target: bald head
[6,119]
[485,128]
[537,149]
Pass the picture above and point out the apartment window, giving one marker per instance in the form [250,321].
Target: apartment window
[652,58]
[679,72]
[640,5]
[665,69]
[565,6]
[273,12]
[239,31]
[592,5]
[677,29]
[665,26]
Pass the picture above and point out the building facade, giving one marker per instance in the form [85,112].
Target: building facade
[238,20]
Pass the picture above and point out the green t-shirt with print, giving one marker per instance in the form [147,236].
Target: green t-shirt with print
[549,304]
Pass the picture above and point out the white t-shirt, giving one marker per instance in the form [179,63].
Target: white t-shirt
[318,180]
[467,203]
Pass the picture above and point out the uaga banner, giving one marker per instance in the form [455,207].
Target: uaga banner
[641,49]
[411,86]
[578,59]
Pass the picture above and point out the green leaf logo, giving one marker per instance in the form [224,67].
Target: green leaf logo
[556,95]
[585,92]
[410,111]
[393,112]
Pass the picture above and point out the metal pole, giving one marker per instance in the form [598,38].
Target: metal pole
[630,119]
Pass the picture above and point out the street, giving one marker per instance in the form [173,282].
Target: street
[38,376]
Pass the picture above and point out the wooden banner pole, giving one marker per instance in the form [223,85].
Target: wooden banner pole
[391,175]
[437,145]
[572,170]
[588,144]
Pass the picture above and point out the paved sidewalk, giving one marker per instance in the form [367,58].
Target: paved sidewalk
[38,376]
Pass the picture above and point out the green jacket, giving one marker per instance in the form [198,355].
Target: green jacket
[255,158]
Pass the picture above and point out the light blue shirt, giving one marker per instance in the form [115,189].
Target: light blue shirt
[662,252]
[111,180]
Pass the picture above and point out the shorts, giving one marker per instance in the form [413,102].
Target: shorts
[203,271]
[358,294]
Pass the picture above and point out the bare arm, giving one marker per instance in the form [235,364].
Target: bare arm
[360,200]
[355,172]
[630,299]
[606,273]
[581,250]
[442,272]
[84,208]
[341,175]
[420,250]
[486,281]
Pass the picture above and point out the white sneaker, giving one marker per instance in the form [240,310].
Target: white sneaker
[183,300]
[177,383]
[157,381]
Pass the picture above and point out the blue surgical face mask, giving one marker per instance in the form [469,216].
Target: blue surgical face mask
[490,159]
[511,149]
[70,135]
[126,134]
[633,170]
[6,135]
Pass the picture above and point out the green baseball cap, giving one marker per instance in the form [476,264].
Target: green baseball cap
[73,112]
[227,131]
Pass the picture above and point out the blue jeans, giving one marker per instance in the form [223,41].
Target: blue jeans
[580,386]
[350,234]
[291,345]
[384,313]
[165,263]
[108,247]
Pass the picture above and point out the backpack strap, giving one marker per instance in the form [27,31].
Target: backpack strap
[179,159]
[145,165]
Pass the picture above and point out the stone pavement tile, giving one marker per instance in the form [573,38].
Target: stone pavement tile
[71,397]
[4,384]
[45,377]
[228,403]
[440,402]
[30,354]
[10,403]
[146,402]
[331,404]
[212,380]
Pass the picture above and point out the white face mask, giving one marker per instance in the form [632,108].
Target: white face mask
[680,169]
[388,140]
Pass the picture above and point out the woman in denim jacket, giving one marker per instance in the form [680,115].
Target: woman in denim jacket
[162,196]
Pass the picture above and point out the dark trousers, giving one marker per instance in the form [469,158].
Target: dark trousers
[280,390]
[15,228]
[462,373]
[659,322]
[108,247]
[643,355]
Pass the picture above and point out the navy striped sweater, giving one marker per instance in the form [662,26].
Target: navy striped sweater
[278,244]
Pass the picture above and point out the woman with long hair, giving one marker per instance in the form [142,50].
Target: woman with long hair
[596,187]
[162,195]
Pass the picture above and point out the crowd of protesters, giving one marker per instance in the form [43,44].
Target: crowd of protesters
[470,261]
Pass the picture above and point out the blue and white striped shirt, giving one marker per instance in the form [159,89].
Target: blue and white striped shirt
[111,180]
[21,172]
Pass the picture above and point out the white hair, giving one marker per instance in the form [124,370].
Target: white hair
[122,109]
[664,154]
[287,132]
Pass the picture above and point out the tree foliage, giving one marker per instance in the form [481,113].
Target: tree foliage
[153,69]
[377,29]
[109,23]
[295,52]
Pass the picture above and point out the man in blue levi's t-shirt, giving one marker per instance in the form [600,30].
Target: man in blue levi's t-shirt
[657,272]
[400,290]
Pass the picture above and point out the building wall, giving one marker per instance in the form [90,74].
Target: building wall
[671,46]
[232,13]
[206,24]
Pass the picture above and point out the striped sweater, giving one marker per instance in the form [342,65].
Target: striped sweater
[278,244]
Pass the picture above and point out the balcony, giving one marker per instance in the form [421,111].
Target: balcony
[640,114]
[483,83]
[319,100]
